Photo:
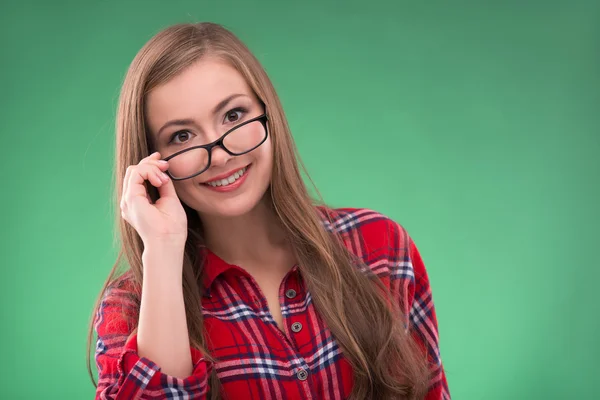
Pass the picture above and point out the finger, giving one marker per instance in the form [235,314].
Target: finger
[167,189]
[162,164]
[125,185]
[139,175]
[127,178]
[151,158]
[156,177]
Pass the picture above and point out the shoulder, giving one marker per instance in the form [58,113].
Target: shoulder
[119,303]
[373,228]
[379,241]
[386,249]
[345,218]
[123,287]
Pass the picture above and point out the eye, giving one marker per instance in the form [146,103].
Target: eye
[182,136]
[235,114]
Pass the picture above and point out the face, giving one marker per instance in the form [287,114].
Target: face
[197,107]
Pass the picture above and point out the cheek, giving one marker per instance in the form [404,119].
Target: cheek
[182,186]
[267,152]
[185,191]
[267,161]
[263,159]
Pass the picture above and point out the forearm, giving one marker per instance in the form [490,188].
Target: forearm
[162,329]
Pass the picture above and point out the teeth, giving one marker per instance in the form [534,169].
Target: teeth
[229,180]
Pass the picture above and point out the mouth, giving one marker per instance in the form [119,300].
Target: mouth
[229,180]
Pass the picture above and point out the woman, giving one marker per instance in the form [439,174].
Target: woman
[237,285]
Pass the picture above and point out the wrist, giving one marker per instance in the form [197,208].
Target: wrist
[166,241]
[163,258]
[168,244]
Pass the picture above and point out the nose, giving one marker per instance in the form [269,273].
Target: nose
[219,157]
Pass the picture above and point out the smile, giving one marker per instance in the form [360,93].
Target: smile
[231,179]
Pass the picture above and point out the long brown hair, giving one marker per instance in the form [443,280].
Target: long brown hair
[387,364]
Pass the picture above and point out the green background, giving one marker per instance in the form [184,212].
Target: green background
[476,125]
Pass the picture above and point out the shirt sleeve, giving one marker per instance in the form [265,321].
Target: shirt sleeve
[423,322]
[122,374]
[409,284]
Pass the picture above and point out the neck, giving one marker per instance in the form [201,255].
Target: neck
[250,239]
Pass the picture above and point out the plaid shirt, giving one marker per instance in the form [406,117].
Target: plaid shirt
[256,360]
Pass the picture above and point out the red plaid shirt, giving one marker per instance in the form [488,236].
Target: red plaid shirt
[256,360]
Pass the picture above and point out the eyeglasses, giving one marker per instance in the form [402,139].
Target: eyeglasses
[239,140]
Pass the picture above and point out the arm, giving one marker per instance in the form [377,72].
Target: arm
[409,283]
[162,334]
[423,323]
[157,360]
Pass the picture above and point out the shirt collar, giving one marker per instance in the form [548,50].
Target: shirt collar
[213,267]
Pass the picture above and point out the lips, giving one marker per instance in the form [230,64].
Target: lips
[226,174]
[230,182]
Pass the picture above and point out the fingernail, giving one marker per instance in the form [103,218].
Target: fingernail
[162,161]
[165,177]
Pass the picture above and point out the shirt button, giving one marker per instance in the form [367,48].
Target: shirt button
[302,374]
[290,294]
[296,327]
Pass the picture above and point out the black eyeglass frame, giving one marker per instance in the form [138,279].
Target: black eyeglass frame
[219,142]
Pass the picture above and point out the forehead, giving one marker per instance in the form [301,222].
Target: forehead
[194,92]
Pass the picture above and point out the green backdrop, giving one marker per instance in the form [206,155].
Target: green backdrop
[476,125]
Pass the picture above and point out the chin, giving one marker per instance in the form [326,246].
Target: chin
[232,208]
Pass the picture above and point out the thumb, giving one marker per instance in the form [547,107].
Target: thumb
[167,189]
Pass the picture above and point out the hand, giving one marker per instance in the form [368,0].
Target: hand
[164,221]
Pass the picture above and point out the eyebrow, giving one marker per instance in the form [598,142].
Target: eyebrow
[189,121]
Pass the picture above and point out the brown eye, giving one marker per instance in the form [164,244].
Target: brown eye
[233,116]
[180,137]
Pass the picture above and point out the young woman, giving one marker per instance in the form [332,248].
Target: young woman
[237,285]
